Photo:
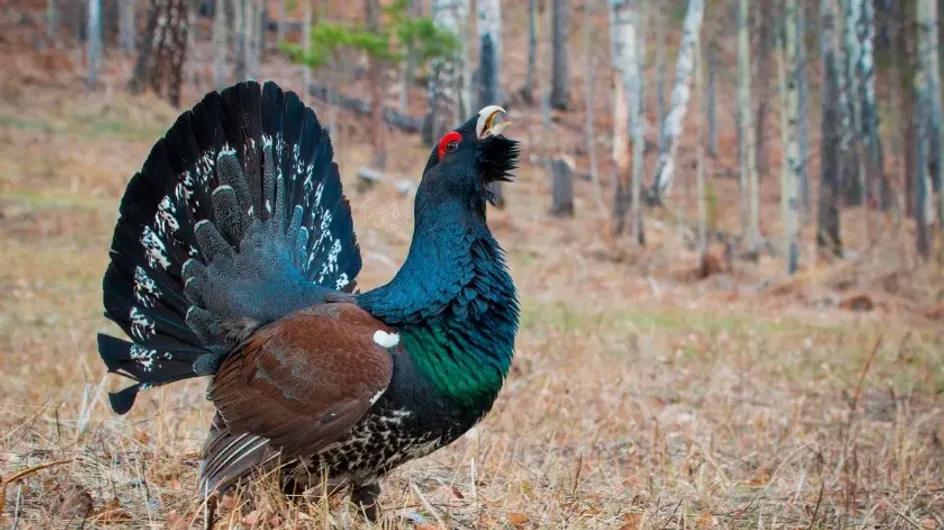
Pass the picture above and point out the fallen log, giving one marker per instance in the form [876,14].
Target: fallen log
[398,120]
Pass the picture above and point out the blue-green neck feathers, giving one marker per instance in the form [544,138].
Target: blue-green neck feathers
[454,304]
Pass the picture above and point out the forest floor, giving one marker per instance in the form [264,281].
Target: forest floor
[641,395]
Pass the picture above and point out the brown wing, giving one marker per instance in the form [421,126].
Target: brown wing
[297,385]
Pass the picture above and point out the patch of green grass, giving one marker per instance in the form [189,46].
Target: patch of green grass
[17,122]
[49,199]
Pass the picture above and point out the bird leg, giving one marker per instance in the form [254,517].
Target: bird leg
[365,498]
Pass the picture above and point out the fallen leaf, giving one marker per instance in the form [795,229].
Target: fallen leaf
[632,521]
[704,520]
[857,302]
[517,519]
[112,513]
[457,493]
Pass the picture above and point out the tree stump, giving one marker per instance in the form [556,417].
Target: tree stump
[562,187]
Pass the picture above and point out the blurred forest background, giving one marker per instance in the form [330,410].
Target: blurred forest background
[727,232]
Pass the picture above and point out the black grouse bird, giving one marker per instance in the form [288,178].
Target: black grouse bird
[234,257]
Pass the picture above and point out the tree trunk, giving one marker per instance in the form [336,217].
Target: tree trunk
[128,27]
[793,167]
[240,26]
[589,102]
[490,53]
[176,48]
[764,62]
[623,17]
[855,177]
[146,41]
[684,68]
[871,138]
[660,74]
[700,156]
[307,21]
[378,130]
[94,45]
[710,104]
[527,92]
[929,136]
[560,61]
[220,48]
[750,189]
[828,239]
[562,187]
[280,23]
[446,83]
[52,23]
[637,122]
[803,190]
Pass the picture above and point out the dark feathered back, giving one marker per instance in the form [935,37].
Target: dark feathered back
[236,219]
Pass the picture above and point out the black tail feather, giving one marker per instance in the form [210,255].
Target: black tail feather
[237,213]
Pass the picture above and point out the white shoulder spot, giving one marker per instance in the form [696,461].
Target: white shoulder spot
[386,340]
[376,396]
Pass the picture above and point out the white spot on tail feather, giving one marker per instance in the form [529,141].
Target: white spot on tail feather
[386,340]
[166,217]
[154,249]
[342,281]
[143,357]
[145,290]
[142,327]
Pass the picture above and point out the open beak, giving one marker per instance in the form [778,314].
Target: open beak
[490,122]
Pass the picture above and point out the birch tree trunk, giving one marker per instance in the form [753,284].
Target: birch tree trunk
[660,73]
[127,26]
[560,57]
[220,48]
[764,73]
[930,139]
[750,189]
[828,240]
[488,27]
[240,26]
[871,138]
[446,84]
[94,44]
[855,185]
[793,168]
[623,16]
[684,68]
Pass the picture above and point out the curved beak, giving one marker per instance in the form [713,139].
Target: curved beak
[490,122]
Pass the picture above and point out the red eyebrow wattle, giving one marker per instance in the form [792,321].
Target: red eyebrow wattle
[450,137]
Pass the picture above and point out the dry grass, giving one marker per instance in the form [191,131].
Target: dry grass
[639,397]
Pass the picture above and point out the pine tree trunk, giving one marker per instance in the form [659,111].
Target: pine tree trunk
[750,189]
[793,165]
[619,166]
[176,48]
[871,138]
[146,41]
[94,44]
[700,157]
[560,60]
[684,68]
[128,28]
[378,130]
[637,122]
[220,48]
[828,239]
[589,102]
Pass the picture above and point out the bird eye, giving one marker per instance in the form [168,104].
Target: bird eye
[448,144]
[452,146]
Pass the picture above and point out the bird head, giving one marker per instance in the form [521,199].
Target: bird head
[469,158]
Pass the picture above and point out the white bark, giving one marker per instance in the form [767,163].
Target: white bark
[447,84]
[929,78]
[488,28]
[681,92]
[623,15]
[94,50]
[750,191]
[700,157]
[793,166]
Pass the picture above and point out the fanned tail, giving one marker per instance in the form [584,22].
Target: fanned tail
[236,219]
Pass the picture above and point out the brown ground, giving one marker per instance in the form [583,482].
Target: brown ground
[640,396]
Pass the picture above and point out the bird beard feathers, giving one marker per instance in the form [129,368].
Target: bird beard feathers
[499,159]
